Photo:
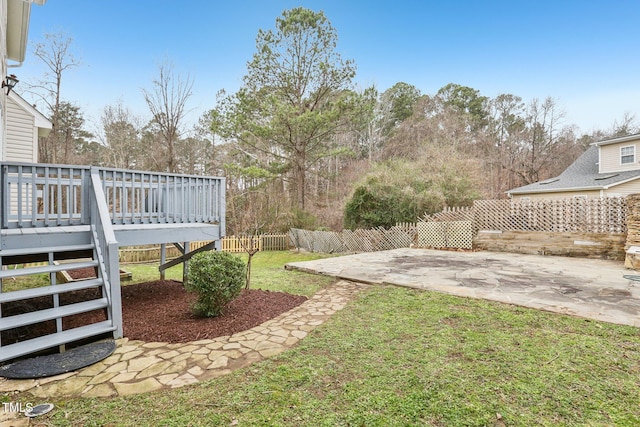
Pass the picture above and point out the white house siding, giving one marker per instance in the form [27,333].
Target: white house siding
[22,135]
[631,187]
[3,73]
[558,195]
[610,157]
[21,145]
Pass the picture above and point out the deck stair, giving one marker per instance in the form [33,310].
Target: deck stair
[24,319]
[26,255]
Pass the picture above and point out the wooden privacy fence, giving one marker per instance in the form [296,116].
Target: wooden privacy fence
[264,242]
[377,239]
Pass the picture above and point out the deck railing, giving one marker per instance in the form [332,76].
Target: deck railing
[42,195]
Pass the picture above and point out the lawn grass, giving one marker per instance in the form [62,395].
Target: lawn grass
[399,357]
[25,282]
[267,272]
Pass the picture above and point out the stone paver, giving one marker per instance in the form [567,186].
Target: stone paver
[139,367]
[590,288]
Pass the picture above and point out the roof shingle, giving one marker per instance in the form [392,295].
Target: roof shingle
[582,174]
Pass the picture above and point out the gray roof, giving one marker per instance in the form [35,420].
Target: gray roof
[618,139]
[580,175]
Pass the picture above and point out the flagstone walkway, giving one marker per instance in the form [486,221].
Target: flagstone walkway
[138,367]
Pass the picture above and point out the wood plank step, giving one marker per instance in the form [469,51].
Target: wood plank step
[49,290]
[12,351]
[51,313]
[47,269]
[29,251]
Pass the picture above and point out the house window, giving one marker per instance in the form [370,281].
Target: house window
[627,155]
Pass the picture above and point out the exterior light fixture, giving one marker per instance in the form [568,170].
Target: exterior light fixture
[9,82]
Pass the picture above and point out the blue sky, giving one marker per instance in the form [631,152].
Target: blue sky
[585,54]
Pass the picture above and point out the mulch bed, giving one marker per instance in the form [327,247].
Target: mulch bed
[82,273]
[161,311]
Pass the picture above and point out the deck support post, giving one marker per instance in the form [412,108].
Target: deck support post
[185,265]
[187,255]
[163,258]
[53,281]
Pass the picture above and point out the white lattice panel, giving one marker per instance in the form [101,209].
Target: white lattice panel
[604,215]
[377,239]
[447,234]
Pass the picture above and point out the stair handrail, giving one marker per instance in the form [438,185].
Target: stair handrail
[106,244]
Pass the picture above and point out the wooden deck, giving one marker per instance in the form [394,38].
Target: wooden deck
[54,212]
[126,235]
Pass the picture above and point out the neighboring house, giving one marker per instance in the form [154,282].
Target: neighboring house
[25,125]
[608,168]
[14,29]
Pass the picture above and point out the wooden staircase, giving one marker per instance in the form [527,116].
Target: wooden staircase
[86,245]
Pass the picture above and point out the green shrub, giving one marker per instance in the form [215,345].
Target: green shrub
[377,204]
[402,190]
[217,278]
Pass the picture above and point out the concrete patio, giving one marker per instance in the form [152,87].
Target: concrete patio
[594,289]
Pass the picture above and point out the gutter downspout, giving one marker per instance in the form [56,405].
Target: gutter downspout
[24,12]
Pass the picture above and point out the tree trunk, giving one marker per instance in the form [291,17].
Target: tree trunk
[248,282]
[299,175]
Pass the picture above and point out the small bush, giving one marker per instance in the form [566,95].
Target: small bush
[217,278]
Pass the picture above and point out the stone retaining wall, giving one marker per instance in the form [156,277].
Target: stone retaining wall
[587,245]
[632,245]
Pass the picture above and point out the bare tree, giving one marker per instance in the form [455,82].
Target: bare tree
[500,149]
[196,152]
[55,53]
[254,207]
[627,125]
[542,142]
[120,135]
[167,104]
